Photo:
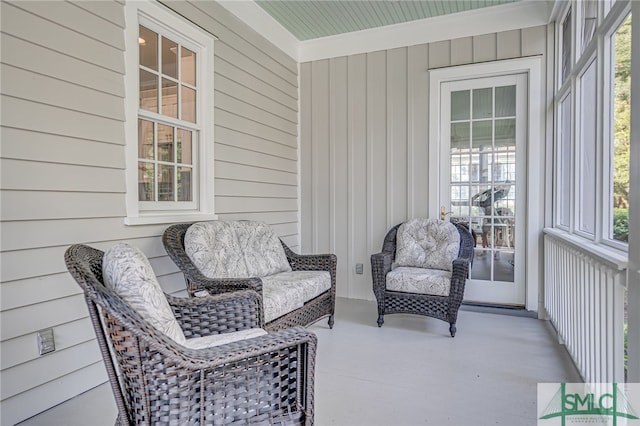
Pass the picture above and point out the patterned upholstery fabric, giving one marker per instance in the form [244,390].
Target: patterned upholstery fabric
[279,300]
[427,243]
[214,248]
[242,249]
[221,339]
[262,250]
[406,279]
[128,272]
[312,283]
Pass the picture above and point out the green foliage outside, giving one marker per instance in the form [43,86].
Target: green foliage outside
[621,224]
[621,131]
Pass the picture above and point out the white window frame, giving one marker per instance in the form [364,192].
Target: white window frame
[150,13]
[610,16]
[609,78]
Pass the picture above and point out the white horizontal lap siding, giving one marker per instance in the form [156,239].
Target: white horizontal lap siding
[62,166]
[364,142]
[256,120]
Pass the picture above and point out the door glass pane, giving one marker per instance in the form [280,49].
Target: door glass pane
[482,134]
[506,101]
[460,105]
[460,135]
[506,132]
[482,103]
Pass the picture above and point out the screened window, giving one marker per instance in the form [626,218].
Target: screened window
[589,21]
[587,151]
[564,162]
[620,103]
[566,47]
[592,105]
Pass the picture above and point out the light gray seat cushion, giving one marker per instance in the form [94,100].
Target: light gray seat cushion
[408,279]
[427,243]
[214,249]
[263,253]
[221,339]
[128,272]
[242,249]
[279,300]
[312,283]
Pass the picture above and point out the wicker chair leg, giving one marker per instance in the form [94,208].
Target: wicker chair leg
[331,321]
[452,329]
[380,320]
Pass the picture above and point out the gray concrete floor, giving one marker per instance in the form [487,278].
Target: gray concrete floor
[409,372]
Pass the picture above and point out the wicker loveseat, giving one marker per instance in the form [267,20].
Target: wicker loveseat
[224,256]
[201,360]
[422,270]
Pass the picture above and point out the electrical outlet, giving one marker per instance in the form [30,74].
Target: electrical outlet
[46,342]
[359,269]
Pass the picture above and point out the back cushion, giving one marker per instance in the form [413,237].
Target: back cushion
[213,247]
[263,252]
[427,243]
[127,271]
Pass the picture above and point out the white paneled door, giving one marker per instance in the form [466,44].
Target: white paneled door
[483,132]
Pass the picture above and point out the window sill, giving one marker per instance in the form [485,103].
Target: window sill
[618,259]
[155,219]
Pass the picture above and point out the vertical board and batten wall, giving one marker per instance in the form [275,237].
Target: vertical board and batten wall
[364,142]
[63,172]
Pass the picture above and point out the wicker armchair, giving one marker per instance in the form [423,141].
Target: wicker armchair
[267,379]
[312,311]
[443,307]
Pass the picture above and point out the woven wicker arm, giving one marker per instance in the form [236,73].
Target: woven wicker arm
[222,313]
[173,240]
[267,379]
[322,306]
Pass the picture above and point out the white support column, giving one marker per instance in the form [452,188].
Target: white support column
[634,206]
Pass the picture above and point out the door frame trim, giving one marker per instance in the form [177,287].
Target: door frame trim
[534,155]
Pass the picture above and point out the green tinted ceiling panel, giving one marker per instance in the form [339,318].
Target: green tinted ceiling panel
[308,19]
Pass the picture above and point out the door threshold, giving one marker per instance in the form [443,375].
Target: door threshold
[490,308]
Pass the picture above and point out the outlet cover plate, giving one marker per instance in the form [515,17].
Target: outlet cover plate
[46,342]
